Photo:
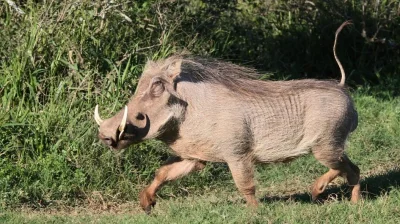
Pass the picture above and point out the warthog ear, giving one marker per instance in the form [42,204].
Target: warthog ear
[174,69]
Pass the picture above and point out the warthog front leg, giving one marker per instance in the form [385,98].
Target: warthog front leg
[243,175]
[174,168]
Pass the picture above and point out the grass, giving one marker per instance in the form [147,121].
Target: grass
[60,59]
[225,209]
[283,189]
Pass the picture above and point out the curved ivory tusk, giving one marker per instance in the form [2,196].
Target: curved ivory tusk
[121,127]
[97,116]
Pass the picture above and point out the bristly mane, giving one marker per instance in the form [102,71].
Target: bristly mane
[234,77]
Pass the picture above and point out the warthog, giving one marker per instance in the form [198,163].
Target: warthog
[208,110]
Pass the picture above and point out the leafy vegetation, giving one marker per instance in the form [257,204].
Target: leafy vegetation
[61,58]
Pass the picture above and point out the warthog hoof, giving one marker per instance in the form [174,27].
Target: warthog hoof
[147,201]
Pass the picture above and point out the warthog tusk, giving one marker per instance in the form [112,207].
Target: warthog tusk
[97,116]
[121,127]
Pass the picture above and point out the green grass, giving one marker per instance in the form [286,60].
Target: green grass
[225,209]
[60,59]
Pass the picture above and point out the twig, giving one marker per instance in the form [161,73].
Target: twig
[102,15]
[374,38]
[13,5]
[125,16]
[127,55]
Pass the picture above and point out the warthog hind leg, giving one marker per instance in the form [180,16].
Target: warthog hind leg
[321,183]
[339,165]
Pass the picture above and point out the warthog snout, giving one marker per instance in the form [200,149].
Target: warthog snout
[109,133]
[108,140]
[119,131]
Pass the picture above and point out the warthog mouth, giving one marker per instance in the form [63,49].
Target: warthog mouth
[121,126]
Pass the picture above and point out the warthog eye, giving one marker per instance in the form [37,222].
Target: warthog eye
[157,87]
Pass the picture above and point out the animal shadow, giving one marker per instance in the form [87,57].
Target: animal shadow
[372,187]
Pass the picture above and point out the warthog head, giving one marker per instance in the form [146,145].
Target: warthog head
[154,105]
